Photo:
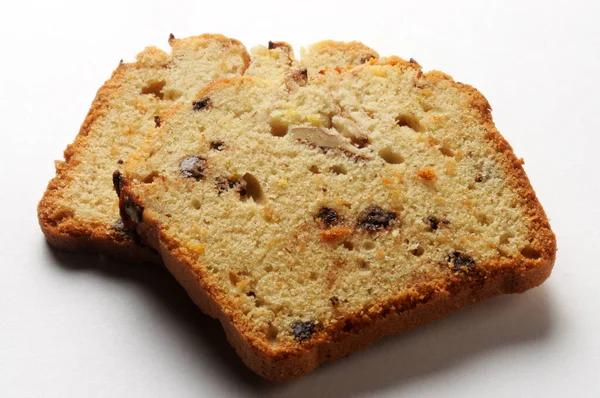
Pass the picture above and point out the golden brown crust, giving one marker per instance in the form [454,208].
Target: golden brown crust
[542,239]
[57,222]
[327,46]
[432,297]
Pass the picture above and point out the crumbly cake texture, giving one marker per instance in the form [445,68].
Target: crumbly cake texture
[314,216]
[79,210]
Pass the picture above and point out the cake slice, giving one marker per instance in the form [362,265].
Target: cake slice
[79,210]
[312,218]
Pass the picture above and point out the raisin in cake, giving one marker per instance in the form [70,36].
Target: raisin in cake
[79,210]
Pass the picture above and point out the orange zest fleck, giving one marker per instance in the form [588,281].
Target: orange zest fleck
[332,234]
[427,173]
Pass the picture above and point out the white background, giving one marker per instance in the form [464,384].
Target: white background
[82,326]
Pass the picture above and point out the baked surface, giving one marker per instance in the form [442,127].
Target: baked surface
[79,210]
[315,215]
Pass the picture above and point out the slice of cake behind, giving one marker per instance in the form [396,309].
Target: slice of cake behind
[79,210]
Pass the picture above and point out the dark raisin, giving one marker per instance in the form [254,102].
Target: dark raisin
[193,167]
[118,182]
[328,216]
[300,76]
[461,262]
[251,294]
[120,161]
[303,330]
[171,36]
[158,121]
[478,177]
[222,184]
[334,300]
[201,104]
[225,184]
[433,222]
[217,145]
[275,44]
[374,218]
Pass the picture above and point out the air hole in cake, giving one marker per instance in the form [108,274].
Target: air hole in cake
[196,204]
[154,88]
[390,156]
[338,169]
[531,253]
[172,94]
[369,245]
[272,332]
[408,120]
[418,251]
[360,141]
[348,245]
[150,177]
[363,263]
[425,106]
[505,237]
[253,188]
[446,151]
[483,219]
[258,302]
[233,278]
[278,129]
[314,169]
[502,251]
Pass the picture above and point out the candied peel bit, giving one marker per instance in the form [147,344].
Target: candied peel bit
[427,173]
[333,234]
